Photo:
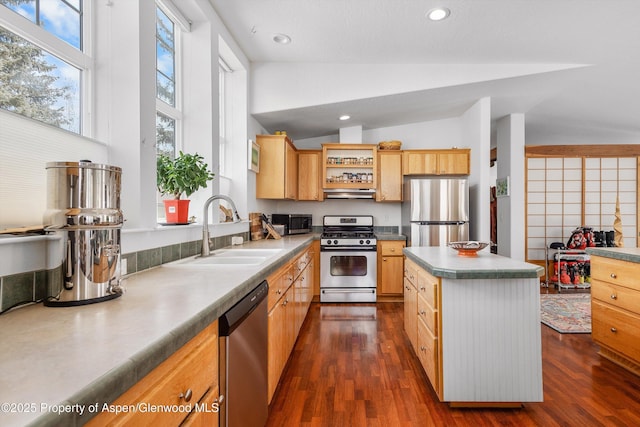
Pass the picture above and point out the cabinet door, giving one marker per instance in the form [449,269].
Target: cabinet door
[411,313]
[453,163]
[291,172]
[419,163]
[278,176]
[309,175]
[391,275]
[389,177]
[275,347]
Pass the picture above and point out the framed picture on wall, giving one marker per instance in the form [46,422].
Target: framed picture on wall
[502,187]
[254,156]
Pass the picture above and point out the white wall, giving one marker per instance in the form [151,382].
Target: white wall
[282,86]
[511,209]
[476,132]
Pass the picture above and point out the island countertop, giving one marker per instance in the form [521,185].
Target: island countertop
[445,262]
[77,356]
[622,254]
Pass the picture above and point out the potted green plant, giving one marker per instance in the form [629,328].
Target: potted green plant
[185,174]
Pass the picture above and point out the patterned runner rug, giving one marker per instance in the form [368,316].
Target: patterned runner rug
[566,313]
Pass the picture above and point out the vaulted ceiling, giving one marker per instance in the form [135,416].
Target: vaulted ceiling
[571,66]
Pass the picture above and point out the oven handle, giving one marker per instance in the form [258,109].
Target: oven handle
[348,248]
[348,291]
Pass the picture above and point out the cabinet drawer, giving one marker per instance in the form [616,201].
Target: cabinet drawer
[411,271]
[622,273]
[279,282]
[618,296]
[428,287]
[428,354]
[391,248]
[428,315]
[194,368]
[616,329]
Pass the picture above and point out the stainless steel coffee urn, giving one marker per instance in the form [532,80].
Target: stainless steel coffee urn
[83,206]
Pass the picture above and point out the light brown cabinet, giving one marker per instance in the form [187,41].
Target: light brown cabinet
[290,294]
[278,175]
[389,176]
[615,310]
[390,267]
[436,162]
[187,377]
[411,302]
[310,175]
[423,320]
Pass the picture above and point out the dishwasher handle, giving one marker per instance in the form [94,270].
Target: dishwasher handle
[243,308]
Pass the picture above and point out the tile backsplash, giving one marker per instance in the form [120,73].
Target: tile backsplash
[31,286]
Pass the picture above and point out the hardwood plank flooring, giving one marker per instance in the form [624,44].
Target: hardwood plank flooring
[353,366]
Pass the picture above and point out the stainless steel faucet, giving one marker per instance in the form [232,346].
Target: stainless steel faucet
[205,220]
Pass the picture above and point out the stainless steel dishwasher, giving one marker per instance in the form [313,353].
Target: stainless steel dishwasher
[243,361]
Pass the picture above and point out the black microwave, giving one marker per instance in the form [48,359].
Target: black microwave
[293,223]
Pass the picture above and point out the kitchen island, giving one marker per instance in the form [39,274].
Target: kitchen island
[477,331]
[615,305]
[58,363]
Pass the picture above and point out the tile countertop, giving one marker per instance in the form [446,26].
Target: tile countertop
[53,356]
[442,261]
[623,254]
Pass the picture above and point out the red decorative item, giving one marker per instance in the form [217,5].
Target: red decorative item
[177,211]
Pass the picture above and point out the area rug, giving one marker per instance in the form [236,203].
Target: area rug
[566,313]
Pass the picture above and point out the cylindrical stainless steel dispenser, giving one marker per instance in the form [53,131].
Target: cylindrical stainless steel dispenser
[83,205]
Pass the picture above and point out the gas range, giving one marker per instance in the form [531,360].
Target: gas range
[348,259]
[348,232]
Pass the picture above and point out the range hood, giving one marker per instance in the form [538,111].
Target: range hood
[349,193]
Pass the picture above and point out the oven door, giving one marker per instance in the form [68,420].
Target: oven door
[347,275]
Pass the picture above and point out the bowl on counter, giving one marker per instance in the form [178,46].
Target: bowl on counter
[468,248]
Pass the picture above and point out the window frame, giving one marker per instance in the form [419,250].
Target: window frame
[51,44]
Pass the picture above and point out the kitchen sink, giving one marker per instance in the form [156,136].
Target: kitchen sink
[213,260]
[230,252]
[229,257]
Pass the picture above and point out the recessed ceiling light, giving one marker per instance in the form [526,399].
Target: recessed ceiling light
[281,38]
[344,117]
[438,14]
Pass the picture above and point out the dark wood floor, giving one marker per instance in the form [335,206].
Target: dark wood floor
[353,366]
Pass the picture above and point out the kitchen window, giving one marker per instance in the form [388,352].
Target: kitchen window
[44,65]
[168,96]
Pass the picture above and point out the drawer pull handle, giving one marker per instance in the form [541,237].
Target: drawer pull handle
[279,291]
[614,296]
[422,288]
[423,348]
[614,330]
[613,275]
[186,395]
[422,312]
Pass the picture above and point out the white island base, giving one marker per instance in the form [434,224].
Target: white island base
[485,324]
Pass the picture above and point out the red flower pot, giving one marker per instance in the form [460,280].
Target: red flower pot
[177,211]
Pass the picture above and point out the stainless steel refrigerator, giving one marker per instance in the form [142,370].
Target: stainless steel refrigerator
[435,211]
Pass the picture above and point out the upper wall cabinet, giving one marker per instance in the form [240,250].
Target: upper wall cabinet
[278,176]
[436,162]
[310,175]
[389,176]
